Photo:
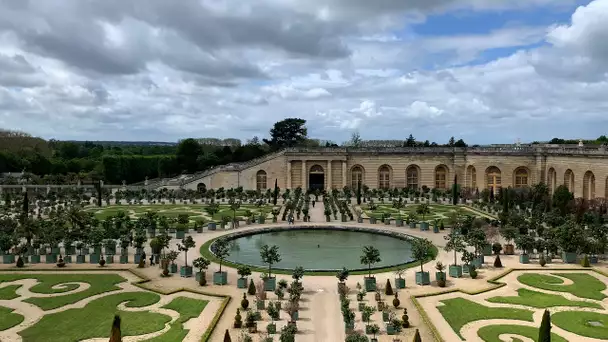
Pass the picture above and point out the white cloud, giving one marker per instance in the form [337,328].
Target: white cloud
[111,70]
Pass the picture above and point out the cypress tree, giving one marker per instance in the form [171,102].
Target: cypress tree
[115,335]
[417,337]
[544,334]
[455,191]
[359,193]
[227,337]
[276,193]
[505,200]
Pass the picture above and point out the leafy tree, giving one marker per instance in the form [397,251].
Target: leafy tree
[287,133]
[187,243]
[544,333]
[270,256]
[371,255]
[421,249]
[221,249]
[455,242]
[298,273]
[201,264]
[342,275]
[187,154]
[562,198]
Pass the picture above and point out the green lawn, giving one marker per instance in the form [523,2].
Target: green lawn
[100,283]
[459,311]
[95,320]
[584,285]
[9,292]
[541,300]
[187,308]
[196,212]
[491,333]
[579,322]
[8,319]
[438,211]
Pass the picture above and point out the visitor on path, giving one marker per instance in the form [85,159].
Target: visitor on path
[151,260]
[143,258]
[313,203]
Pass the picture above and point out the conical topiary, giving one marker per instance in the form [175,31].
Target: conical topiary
[20,262]
[388,290]
[417,337]
[251,289]
[544,334]
[497,262]
[227,337]
[115,335]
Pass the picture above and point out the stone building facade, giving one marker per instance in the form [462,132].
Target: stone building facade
[583,169]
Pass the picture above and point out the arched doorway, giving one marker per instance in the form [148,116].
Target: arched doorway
[589,186]
[316,178]
[552,180]
[493,179]
[201,187]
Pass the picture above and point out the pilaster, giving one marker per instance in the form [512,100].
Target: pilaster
[344,178]
[329,180]
[288,184]
[304,175]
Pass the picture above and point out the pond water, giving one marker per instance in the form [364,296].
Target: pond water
[316,249]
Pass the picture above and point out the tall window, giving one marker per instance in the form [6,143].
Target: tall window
[521,177]
[471,177]
[551,180]
[441,176]
[589,185]
[569,180]
[412,177]
[493,177]
[384,177]
[261,180]
[356,176]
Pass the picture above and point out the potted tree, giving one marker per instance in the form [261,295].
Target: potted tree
[212,209]
[571,238]
[455,243]
[467,257]
[327,213]
[525,243]
[298,273]
[436,225]
[421,249]
[6,243]
[201,264]
[423,210]
[124,250]
[221,249]
[171,257]
[342,275]
[371,255]
[398,205]
[509,233]
[349,320]
[274,313]
[374,329]
[187,243]
[243,272]
[399,281]
[366,316]
[270,256]
[440,275]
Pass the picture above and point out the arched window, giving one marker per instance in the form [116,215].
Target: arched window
[316,169]
[493,179]
[412,177]
[569,180]
[384,177]
[441,177]
[261,180]
[589,186]
[472,177]
[356,176]
[521,177]
[551,180]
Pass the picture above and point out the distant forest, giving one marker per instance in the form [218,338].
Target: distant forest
[66,162]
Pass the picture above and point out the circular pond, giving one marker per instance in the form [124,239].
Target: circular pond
[319,249]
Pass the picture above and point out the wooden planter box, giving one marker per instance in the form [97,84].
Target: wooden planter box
[241,283]
[8,259]
[524,258]
[185,271]
[423,278]
[270,284]
[220,278]
[400,283]
[172,268]
[124,259]
[455,271]
[569,258]
[509,249]
[370,284]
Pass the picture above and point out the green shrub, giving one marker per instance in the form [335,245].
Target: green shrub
[473,273]
[585,261]
[388,289]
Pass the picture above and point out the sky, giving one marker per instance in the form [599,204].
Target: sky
[487,71]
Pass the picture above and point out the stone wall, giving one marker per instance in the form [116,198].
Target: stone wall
[291,167]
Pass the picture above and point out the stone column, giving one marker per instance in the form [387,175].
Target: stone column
[288,185]
[329,180]
[304,176]
[344,178]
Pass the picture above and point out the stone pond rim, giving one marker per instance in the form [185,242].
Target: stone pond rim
[206,249]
